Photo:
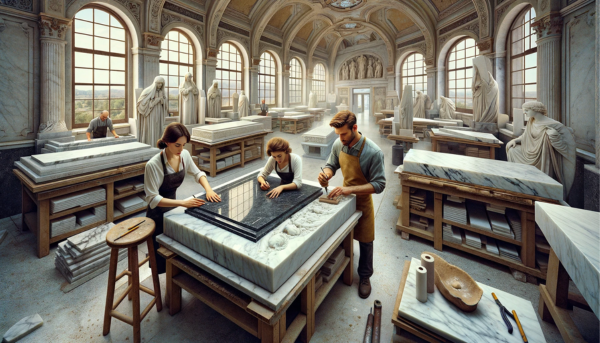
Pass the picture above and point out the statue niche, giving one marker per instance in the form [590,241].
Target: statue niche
[361,67]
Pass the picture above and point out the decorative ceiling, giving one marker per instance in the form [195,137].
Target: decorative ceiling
[242,6]
[400,20]
[281,17]
[344,4]
[305,31]
[443,4]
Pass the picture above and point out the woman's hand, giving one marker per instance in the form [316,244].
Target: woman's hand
[511,144]
[275,192]
[264,185]
[212,196]
[193,202]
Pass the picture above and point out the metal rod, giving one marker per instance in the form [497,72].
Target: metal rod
[377,322]
[369,330]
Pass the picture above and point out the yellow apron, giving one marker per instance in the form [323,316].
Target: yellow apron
[353,176]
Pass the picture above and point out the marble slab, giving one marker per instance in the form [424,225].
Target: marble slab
[280,109]
[77,155]
[265,120]
[226,131]
[22,328]
[317,150]
[297,117]
[316,109]
[482,325]
[321,135]
[574,235]
[273,300]
[459,123]
[90,239]
[473,136]
[293,113]
[217,120]
[515,177]
[276,256]
[55,146]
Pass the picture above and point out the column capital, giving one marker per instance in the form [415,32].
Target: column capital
[211,62]
[53,26]
[486,45]
[212,53]
[255,61]
[431,70]
[152,40]
[390,69]
[145,51]
[548,26]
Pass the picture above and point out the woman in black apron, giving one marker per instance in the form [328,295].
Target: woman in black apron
[287,165]
[164,174]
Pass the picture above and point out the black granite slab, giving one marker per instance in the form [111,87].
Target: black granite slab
[246,210]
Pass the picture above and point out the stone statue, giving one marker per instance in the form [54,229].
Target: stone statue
[447,108]
[243,105]
[406,109]
[213,98]
[546,144]
[345,71]
[153,108]
[235,99]
[188,101]
[419,106]
[370,73]
[362,67]
[485,92]
[352,70]
[312,100]
[378,69]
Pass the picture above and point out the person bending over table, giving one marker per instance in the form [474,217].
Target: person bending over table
[98,127]
[164,173]
[287,165]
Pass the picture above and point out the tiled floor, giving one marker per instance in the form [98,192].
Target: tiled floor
[29,285]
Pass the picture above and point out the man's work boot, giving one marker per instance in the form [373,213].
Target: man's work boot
[364,288]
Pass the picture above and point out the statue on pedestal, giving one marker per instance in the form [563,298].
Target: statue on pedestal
[312,100]
[213,98]
[153,108]
[406,109]
[235,99]
[352,70]
[419,106]
[447,108]
[243,107]
[485,92]
[362,67]
[345,72]
[378,69]
[370,72]
[546,144]
[188,101]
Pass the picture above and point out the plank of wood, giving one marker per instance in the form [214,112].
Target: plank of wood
[294,330]
[561,317]
[322,292]
[166,253]
[557,281]
[307,307]
[334,201]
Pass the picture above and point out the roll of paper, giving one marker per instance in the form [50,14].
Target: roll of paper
[427,261]
[421,284]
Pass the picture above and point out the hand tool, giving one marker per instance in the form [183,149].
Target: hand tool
[326,192]
[369,330]
[132,228]
[377,322]
[503,313]
[519,326]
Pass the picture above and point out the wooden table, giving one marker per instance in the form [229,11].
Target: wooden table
[319,114]
[385,127]
[35,205]
[308,120]
[437,188]
[248,313]
[212,168]
[435,139]
[408,141]
[387,113]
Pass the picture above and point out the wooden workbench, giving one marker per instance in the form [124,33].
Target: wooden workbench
[306,121]
[212,168]
[262,322]
[35,205]
[436,139]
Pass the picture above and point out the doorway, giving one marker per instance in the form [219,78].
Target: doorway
[361,101]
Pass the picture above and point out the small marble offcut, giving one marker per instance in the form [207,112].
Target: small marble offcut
[23,328]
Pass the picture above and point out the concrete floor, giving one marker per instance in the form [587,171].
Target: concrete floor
[29,285]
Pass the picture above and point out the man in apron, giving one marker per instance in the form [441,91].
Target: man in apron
[361,162]
[98,127]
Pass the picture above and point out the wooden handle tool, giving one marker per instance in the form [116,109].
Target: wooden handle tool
[520,326]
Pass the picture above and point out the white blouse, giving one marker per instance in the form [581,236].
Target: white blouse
[295,161]
[154,175]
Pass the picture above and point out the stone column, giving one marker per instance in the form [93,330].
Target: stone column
[147,65]
[441,81]
[431,82]
[549,31]
[253,72]
[286,85]
[210,68]
[500,62]
[52,74]
[309,83]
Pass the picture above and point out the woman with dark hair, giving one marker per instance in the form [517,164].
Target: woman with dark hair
[287,165]
[165,173]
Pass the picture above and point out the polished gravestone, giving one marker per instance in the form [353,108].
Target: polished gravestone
[246,210]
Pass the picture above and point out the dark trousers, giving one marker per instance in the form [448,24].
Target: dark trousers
[365,260]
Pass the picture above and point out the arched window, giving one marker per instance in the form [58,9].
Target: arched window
[295,81]
[318,83]
[523,60]
[176,59]
[229,73]
[414,74]
[99,66]
[460,73]
[267,79]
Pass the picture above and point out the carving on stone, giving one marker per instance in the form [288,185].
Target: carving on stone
[23,5]
[167,18]
[213,52]
[356,68]
[500,11]
[24,27]
[183,11]
[55,5]
[223,35]
[459,23]
[133,7]
[213,98]
[549,25]
[473,28]
[53,27]
[155,8]
[152,39]
[544,5]
[485,45]
[482,12]
[485,92]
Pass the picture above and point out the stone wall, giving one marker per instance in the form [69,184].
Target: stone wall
[10,196]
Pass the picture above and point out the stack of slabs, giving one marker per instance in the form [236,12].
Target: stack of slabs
[129,204]
[451,234]
[514,218]
[62,225]
[82,198]
[509,251]
[455,210]
[478,216]
[123,186]
[491,246]
[500,225]
[418,199]
[472,239]
[91,215]
[332,264]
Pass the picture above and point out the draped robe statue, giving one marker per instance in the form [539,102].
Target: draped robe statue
[213,99]
[546,144]
[406,109]
[419,105]
[188,101]
[447,108]
[312,100]
[370,73]
[153,108]
[352,70]
[362,67]
[243,107]
[378,69]
[345,71]
[485,92]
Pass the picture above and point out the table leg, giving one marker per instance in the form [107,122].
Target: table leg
[27,205]
[110,200]
[110,292]
[437,221]
[213,162]
[405,201]
[243,153]
[269,333]
[43,229]
[434,145]
[492,153]
[307,307]
[173,290]
[349,251]
[557,281]
[528,239]
[295,126]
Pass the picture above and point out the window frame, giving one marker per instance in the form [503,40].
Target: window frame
[448,70]
[74,49]
[402,76]
[231,71]
[167,62]
[530,51]
[301,72]
[321,97]
[274,75]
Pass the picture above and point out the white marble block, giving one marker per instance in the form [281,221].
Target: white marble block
[265,120]
[22,328]
[473,136]
[515,177]
[85,154]
[216,120]
[225,131]
[55,146]
[321,135]
[262,263]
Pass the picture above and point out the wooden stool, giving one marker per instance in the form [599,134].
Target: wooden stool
[131,242]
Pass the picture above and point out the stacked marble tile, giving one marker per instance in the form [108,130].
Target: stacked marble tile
[418,199]
[56,146]
[509,251]
[473,136]
[48,167]
[265,120]
[231,148]
[499,224]
[472,239]
[332,264]
[236,158]
[491,246]
[225,131]
[455,210]
[62,225]
[206,153]
[123,186]
[91,215]
[76,199]
[451,234]
[85,255]
[514,218]
[478,215]
[130,203]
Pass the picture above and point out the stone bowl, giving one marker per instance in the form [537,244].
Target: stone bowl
[456,285]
